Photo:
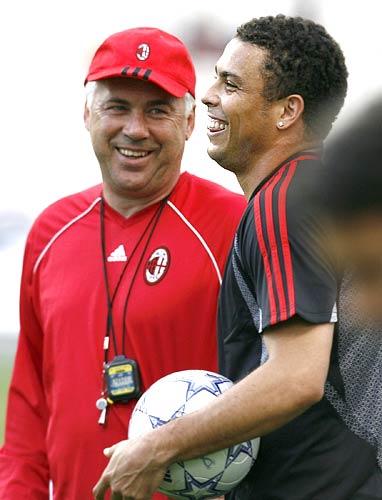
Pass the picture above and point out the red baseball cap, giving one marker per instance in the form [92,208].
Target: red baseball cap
[145,53]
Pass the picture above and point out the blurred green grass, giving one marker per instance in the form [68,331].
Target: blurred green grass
[6,365]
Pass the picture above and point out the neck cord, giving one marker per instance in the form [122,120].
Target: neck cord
[153,222]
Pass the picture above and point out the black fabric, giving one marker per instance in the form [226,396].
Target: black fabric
[316,456]
[372,488]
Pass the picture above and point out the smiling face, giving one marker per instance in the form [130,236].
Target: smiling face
[138,132]
[241,121]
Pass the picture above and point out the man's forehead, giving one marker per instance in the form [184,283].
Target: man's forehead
[239,57]
[130,86]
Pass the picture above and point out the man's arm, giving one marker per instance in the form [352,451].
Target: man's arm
[24,469]
[290,381]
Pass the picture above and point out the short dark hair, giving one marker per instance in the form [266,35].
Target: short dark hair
[302,59]
[352,179]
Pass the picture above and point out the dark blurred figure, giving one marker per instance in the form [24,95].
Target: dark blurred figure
[354,197]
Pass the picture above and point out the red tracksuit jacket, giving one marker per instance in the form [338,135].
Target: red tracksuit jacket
[52,433]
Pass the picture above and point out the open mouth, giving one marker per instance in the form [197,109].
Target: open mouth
[133,153]
[214,125]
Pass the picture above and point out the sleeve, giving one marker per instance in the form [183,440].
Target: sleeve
[229,219]
[287,257]
[23,459]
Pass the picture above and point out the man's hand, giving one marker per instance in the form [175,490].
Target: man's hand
[134,472]
[287,384]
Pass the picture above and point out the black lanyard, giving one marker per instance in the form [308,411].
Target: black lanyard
[150,227]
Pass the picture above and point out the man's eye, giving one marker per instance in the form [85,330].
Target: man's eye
[230,85]
[117,107]
[157,111]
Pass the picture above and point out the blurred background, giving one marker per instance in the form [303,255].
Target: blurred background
[45,51]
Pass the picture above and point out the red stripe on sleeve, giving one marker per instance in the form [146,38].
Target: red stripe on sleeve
[284,237]
[263,250]
[273,245]
[306,157]
[273,257]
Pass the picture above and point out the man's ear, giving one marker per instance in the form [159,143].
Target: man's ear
[291,111]
[87,116]
[190,123]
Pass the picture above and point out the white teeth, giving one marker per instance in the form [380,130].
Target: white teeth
[215,125]
[133,154]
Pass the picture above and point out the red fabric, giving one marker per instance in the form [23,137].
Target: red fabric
[263,250]
[145,53]
[270,210]
[273,247]
[285,238]
[52,430]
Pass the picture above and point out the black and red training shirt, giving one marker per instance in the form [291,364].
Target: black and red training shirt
[280,267]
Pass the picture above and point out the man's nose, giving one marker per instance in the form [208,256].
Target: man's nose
[211,98]
[135,127]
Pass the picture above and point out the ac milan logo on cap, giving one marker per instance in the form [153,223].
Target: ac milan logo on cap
[157,266]
[143,51]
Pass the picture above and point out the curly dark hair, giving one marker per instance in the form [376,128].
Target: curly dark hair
[302,59]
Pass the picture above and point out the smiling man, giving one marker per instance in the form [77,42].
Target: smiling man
[308,377]
[115,276]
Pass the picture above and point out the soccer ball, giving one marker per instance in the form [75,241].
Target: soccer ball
[178,394]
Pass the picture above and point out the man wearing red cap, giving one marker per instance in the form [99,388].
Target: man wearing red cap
[306,361]
[114,276]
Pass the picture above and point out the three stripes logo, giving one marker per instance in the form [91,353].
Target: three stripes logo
[136,72]
[118,255]
[271,226]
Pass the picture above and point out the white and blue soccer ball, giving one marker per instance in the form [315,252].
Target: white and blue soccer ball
[178,394]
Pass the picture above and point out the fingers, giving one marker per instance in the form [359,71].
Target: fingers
[108,452]
[118,496]
[129,474]
[103,484]
[101,487]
